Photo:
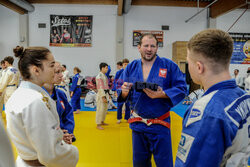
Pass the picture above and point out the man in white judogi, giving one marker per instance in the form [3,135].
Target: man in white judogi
[9,80]
[102,96]
[2,71]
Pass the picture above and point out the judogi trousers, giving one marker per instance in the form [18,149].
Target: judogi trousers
[101,110]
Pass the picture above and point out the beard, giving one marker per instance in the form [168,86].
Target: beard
[148,58]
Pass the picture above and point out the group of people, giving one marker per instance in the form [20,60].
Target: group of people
[215,128]
[242,82]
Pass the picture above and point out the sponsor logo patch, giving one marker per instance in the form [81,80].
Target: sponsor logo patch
[195,113]
[184,146]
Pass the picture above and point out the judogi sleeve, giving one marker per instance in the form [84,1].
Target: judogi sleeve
[4,80]
[45,136]
[178,90]
[115,81]
[124,77]
[203,143]
[74,84]
[68,116]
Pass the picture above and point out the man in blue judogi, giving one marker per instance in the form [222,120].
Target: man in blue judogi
[150,120]
[216,127]
[117,85]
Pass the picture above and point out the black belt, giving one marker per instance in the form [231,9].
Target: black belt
[106,91]
[11,85]
[33,162]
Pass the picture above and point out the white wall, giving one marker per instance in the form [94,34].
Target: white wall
[152,18]
[104,31]
[9,31]
[225,21]
[87,58]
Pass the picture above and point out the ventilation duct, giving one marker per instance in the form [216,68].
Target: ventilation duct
[24,4]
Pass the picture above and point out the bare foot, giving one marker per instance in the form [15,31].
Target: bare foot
[119,121]
[77,112]
[99,127]
[104,124]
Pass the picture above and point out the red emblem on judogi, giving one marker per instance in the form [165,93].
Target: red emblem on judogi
[163,73]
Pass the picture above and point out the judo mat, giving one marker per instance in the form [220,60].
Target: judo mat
[112,147]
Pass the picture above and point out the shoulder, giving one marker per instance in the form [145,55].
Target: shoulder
[133,65]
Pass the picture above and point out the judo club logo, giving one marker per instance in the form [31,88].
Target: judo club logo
[183,140]
[163,72]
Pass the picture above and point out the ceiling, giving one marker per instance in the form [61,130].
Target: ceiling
[217,8]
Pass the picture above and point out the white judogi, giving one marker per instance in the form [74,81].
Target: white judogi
[6,153]
[64,86]
[90,99]
[101,85]
[2,71]
[34,127]
[9,82]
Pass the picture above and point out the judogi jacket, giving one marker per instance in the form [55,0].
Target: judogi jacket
[9,78]
[34,127]
[216,129]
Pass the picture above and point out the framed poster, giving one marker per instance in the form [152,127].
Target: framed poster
[70,31]
[138,33]
[241,51]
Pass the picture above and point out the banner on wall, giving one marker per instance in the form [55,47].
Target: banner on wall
[138,33]
[241,51]
[71,31]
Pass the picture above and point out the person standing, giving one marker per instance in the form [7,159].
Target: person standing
[76,91]
[32,119]
[2,71]
[102,96]
[239,80]
[64,109]
[117,85]
[215,128]
[9,80]
[64,85]
[150,119]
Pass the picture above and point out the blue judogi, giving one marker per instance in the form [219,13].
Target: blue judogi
[75,87]
[215,128]
[155,138]
[116,85]
[64,110]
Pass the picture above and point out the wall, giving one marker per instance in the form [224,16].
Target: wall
[152,18]
[87,58]
[104,31]
[9,32]
[225,21]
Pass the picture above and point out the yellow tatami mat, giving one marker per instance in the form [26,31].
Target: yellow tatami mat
[111,147]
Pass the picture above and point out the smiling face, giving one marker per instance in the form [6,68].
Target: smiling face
[148,48]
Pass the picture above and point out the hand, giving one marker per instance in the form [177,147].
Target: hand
[67,138]
[155,94]
[126,88]
[104,99]
[71,94]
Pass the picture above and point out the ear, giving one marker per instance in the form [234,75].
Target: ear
[35,70]
[200,67]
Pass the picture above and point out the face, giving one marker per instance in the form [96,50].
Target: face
[46,75]
[3,66]
[124,65]
[58,73]
[236,72]
[148,48]
[105,69]
[192,66]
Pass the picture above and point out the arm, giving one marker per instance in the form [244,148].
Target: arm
[68,117]
[5,79]
[47,141]
[74,84]
[178,85]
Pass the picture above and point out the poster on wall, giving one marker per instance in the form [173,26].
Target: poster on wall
[241,51]
[138,33]
[70,31]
